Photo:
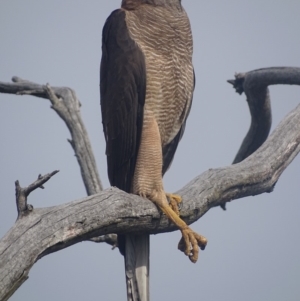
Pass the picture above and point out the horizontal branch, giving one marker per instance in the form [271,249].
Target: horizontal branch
[47,230]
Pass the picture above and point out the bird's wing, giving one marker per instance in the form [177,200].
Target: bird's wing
[170,149]
[122,90]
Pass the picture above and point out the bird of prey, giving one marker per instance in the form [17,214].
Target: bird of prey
[146,87]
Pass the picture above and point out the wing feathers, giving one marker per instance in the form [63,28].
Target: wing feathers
[122,89]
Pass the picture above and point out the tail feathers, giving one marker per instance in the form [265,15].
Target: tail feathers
[137,253]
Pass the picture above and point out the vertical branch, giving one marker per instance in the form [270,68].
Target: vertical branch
[68,108]
[66,104]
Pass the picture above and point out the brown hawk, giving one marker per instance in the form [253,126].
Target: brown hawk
[146,85]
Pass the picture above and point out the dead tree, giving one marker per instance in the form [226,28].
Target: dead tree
[256,169]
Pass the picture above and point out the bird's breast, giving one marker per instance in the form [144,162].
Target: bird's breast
[165,39]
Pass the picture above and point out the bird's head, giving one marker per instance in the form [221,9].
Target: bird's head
[133,4]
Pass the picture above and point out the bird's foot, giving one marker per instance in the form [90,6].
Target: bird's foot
[190,242]
[174,202]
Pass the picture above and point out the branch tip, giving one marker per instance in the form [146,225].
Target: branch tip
[23,193]
[71,142]
[39,177]
[51,94]
[16,79]
[238,83]
[17,184]
[223,206]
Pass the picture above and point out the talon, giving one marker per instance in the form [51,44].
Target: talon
[190,243]
[174,201]
[176,197]
[174,206]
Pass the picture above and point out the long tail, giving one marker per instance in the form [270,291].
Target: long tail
[137,253]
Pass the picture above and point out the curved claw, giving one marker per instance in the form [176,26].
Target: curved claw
[190,242]
[174,202]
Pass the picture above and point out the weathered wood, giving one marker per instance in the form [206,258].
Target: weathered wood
[255,85]
[22,193]
[46,230]
[66,104]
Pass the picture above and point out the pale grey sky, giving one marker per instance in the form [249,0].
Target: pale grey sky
[254,250]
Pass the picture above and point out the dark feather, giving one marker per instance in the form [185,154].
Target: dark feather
[122,90]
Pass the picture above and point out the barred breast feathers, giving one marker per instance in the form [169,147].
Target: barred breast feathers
[164,36]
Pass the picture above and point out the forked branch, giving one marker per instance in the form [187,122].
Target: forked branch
[66,104]
[22,193]
[47,230]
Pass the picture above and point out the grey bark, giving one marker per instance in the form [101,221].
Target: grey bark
[66,104]
[46,230]
[255,85]
[22,193]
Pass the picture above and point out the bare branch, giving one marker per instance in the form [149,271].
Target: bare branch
[23,193]
[111,239]
[40,181]
[48,230]
[255,85]
[66,104]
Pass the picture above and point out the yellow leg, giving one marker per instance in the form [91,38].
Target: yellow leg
[147,182]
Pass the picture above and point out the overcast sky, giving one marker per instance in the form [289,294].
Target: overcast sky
[254,250]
